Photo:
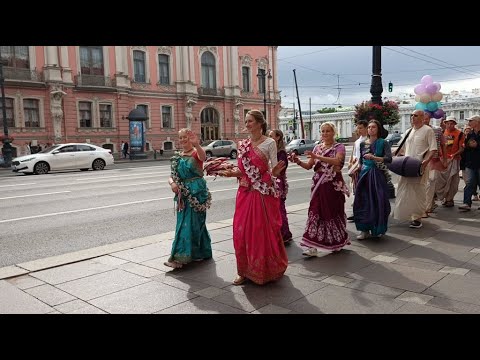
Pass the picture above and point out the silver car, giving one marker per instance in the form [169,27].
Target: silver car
[220,148]
[299,146]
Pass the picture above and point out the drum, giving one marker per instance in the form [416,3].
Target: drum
[406,166]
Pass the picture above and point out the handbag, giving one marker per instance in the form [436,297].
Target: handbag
[406,166]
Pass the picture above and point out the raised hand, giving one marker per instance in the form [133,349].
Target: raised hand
[193,138]
[310,154]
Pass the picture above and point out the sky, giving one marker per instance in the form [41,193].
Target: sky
[341,75]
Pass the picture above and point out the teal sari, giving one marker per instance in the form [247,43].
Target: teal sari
[192,241]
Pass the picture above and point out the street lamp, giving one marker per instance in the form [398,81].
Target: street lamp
[7,148]
[263,74]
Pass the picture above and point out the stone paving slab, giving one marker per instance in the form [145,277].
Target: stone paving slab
[454,305]
[399,276]
[411,308]
[146,252]
[373,288]
[25,281]
[201,305]
[71,272]
[416,298]
[340,300]
[16,301]
[146,298]
[50,294]
[12,271]
[457,287]
[98,285]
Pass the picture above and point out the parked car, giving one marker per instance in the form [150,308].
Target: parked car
[220,148]
[299,146]
[64,157]
[393,138]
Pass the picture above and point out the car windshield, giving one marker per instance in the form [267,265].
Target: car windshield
[389,136]
[208,142]
[294,142]
[47,150]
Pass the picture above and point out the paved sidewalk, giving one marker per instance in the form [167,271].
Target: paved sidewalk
[435,269]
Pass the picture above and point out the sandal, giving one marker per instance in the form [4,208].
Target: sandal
[239,280]
[173,264]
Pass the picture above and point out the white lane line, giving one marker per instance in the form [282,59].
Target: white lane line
[144,183]
[289,181]
[117,176]
[22,196]
[98,208]
[19,184]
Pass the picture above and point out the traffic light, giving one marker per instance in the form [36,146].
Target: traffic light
[390,87]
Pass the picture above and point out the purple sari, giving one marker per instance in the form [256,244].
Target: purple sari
[283,186]
[326,222]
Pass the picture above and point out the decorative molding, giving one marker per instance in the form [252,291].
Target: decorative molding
[167,50]
[246,60]
[141,48]
[262,63]
[167,88]
[212,49]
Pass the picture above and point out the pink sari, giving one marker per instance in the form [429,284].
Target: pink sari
[257,237]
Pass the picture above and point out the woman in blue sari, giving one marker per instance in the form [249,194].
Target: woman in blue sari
[371,206]
[192,241]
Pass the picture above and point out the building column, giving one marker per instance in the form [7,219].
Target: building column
[121,68]
[52,69]
[233,64]
[66,69]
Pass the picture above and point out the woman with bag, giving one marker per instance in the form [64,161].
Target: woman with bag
[354,162]
[371,206]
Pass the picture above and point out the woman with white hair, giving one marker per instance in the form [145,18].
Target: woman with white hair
[326,222]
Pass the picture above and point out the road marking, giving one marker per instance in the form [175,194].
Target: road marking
[289,181]
[144,183]
[22,196]
[19,184]
[120,176]
[97,208]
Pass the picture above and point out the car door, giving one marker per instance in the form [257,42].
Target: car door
[217,148]
[84,156]
[63,158]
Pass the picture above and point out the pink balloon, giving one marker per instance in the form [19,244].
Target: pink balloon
[437,96]
[431,89]
[438,86]
[426,80]
[419,89]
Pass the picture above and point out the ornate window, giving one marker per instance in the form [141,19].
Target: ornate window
[261,81]
[139,66]
[163,68]
[9,110]
[85,112]
[91,60]
[208,71]
[31,111]
[167,122]
[209,124]
[246,78]
[16,56]
[105,115]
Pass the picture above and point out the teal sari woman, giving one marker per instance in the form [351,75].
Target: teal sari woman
[371,206]
[192,241]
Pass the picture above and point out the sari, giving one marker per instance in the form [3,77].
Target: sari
[371,206]
[257,239]
[283,188]
[327,222]
[192,241]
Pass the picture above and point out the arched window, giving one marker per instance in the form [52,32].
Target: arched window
[208,71]
[210,124]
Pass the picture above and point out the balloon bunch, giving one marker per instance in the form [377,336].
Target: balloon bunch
[428,97]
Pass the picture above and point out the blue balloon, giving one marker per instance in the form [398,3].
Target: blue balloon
[432,106]
[420,106]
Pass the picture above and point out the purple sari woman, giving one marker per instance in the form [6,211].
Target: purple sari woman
[277,135]
[326,222]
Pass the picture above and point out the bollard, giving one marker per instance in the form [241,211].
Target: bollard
[155,154]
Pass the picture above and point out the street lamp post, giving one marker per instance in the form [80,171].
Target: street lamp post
[263,74]
[7,148]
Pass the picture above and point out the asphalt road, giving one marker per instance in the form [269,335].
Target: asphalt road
[57,213]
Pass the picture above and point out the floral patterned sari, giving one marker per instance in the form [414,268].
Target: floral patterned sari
[257,238]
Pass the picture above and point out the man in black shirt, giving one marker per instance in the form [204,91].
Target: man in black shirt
[471,174]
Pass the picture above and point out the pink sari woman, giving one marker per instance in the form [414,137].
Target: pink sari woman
[257,223]
[257,238]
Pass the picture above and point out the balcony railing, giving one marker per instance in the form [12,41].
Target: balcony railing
[209,92]
[93,80]
[11,73]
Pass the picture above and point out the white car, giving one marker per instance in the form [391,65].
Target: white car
[64,157]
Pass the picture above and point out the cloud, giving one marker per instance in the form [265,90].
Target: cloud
[333,75]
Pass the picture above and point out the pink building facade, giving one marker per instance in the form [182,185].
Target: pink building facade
[59,94]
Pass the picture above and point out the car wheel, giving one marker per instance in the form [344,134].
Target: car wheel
[98,164]
[209,154]
[233,154]
[41,168]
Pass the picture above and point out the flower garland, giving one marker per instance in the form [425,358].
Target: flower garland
[194,203]
[253,172]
